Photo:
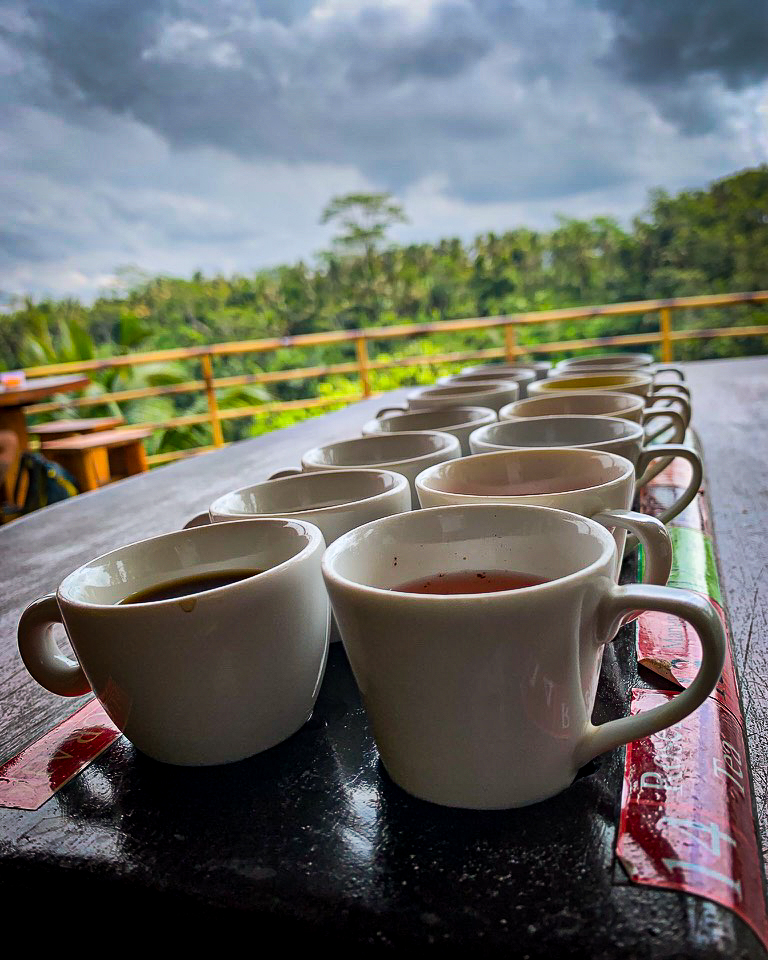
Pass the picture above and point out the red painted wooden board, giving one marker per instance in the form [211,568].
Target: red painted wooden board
[33,776]
[686,811]
[687,819]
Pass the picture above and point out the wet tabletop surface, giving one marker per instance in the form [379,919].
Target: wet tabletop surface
[311,838]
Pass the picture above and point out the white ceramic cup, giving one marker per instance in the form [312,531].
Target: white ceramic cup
[494,394]
[540,367]
[407,453]
[611,434]
[615,359]
[521,377]
[458,421]
[617,362]
[583,403]
[484,701]
[635,383]
[336,501]
[657,374]
[208,678]
[600,486]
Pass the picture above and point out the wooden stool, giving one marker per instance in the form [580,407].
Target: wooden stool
[95,459]
[59,429]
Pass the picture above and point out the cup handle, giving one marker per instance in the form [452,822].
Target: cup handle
[385,410]
[41,654]
[669,368]
[672,388]
[670,451]
[670,396]
[676,422]
[697,611]
[651,533]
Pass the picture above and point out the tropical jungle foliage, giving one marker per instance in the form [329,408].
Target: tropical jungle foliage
[700,241]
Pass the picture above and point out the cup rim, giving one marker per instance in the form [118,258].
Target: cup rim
[530,365]
[460,389]
[400,484]
[633,431]
[314,541]
[483,411]
[331,553]
[448,441]
[634,401]
[421,479]
[633,378]
[508,374]
[635,359]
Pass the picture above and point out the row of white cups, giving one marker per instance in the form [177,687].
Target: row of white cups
[475,700]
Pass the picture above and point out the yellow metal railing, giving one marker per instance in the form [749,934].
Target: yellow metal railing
[363,364]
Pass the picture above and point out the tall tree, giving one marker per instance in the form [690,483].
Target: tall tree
[364,218]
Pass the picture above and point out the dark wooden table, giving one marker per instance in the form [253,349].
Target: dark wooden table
[311,840]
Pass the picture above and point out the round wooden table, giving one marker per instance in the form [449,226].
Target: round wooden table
[13,400]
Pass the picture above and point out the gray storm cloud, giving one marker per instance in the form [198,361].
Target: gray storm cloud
[681,51]
[399,90]
[136,125]
[670,42]
[236,75]
[448,87]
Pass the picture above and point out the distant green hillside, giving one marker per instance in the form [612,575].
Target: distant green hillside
[700,241]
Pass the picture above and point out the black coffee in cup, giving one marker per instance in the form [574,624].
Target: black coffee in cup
[183,587]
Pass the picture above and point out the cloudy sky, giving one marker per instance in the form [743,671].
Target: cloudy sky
[178,135]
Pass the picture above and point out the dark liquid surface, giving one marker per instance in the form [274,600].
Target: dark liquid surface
[184,586]
[471,581]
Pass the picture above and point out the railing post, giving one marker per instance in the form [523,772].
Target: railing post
[510,342]
[213,407]
[361,346]
[667,354]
